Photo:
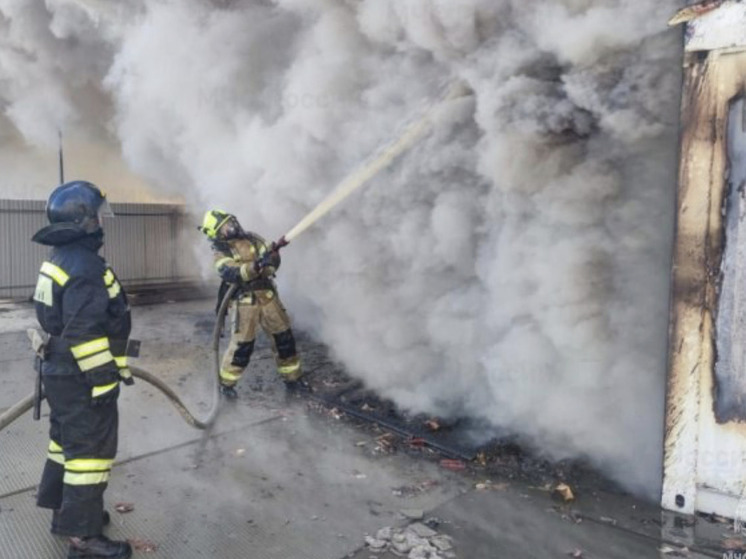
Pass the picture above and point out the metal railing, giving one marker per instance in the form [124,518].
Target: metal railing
[145,244]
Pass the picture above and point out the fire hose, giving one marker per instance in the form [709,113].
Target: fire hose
[382,160]
[412,134]
[27,403]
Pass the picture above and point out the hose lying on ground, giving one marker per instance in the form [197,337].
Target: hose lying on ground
[27,403]
[16,411]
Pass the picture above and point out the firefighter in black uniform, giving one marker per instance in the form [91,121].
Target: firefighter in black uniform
[82,306]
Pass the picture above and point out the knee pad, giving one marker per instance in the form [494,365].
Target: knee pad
[285,344]
[242,355]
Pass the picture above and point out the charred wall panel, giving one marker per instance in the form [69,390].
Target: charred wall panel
[730,368]
[711,82]
[705,437]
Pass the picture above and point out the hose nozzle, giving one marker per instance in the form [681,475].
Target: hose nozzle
[279,243]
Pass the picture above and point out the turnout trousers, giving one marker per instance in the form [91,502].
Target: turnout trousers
[260,309]
[82,447]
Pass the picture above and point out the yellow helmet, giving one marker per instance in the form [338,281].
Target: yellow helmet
[213,221]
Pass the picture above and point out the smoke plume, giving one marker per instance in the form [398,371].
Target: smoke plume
[512,267]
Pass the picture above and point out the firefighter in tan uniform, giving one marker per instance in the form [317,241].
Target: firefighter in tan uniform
[245,259]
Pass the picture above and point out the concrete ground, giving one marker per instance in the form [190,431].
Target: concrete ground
[274,480]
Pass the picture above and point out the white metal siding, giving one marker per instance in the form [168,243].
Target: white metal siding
[144,244]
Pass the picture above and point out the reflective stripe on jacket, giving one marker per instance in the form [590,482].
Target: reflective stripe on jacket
[81,304]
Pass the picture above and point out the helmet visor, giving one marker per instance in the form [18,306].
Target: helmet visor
[104,210]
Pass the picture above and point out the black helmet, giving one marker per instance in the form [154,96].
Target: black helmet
[78,202]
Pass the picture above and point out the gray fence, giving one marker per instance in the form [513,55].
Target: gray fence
[145,244]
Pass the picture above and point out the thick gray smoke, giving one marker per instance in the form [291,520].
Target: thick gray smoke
[513,266]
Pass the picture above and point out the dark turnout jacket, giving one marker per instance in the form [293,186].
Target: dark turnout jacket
[82,306]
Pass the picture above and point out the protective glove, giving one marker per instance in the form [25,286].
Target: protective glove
[261,263]
[126,375]
[265,261]
[104,394]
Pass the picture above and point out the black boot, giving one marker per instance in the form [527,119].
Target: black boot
[298,387]
[228,391]
[99,547]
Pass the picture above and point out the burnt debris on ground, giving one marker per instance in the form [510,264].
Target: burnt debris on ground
[453,442]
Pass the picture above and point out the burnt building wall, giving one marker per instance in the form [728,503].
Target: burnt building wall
[704,458]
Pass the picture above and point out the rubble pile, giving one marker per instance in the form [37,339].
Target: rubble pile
[416,541]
